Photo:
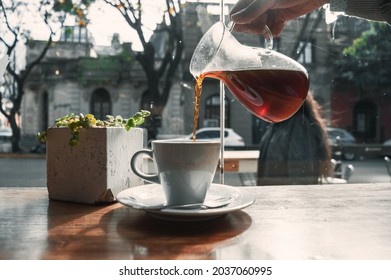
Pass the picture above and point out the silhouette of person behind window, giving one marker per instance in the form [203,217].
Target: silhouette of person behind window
[295,151]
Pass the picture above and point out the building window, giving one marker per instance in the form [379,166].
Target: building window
[365,114]
[75,34]
[305,52]
[277,44]
[100,104]
[212,111]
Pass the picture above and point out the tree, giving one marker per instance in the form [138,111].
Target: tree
[367,62]
[159,70]
[15,22]
[309,26]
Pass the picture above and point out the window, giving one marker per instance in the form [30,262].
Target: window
[77,34]
[306,52]
[100,104]
[365,115]
[212,110]
[352,97]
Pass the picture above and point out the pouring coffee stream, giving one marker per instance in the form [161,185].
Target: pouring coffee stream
[269,84]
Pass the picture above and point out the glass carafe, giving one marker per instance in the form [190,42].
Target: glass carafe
[269,84]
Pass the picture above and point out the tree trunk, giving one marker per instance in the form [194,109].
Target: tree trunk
[151,101]
[15,139]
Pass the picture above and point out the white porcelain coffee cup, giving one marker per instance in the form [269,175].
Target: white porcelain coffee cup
[185,169]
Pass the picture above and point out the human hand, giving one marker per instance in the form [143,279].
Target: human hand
[251,16]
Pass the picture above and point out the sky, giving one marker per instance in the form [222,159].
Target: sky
[105,20]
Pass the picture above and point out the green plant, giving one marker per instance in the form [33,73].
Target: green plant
[76,122]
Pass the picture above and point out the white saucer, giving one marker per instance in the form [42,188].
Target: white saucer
[150,198]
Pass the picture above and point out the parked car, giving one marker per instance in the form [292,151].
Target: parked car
[231,138]
[387,150]
[38,149]
[5,140]
[344,137]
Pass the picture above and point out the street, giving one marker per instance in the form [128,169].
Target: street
[30,171]
[22,171]
[369,171]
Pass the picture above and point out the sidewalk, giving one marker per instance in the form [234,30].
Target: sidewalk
[22,155]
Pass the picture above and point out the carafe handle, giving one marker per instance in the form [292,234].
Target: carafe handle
[268,37]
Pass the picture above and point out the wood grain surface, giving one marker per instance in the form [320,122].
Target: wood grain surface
[286,222]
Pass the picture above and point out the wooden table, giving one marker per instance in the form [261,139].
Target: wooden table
[285,222]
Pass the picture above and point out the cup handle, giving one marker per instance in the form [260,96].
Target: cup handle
[153,178]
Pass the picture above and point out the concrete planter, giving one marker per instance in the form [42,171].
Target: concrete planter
[95,170]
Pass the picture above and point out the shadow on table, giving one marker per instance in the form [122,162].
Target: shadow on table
[82,232]
[151,238]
